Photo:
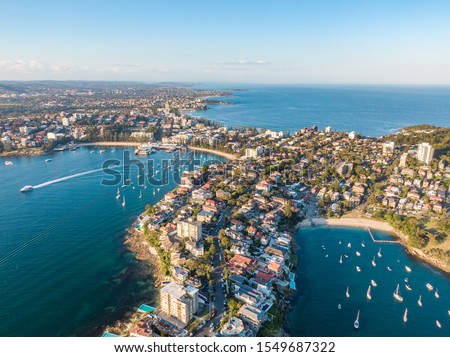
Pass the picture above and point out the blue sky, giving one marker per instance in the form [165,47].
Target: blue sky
[315,41]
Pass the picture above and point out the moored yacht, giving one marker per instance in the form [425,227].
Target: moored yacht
[419,302]
[373,262]
[358,269]
[436,294]
[373,283]
[369,297]
[405,316]
[356,323]
[429,286]
[408,287]
[397,294]
[438,324]
[347,293]
[408,269]
[8,163]
[340,259]
[379,253]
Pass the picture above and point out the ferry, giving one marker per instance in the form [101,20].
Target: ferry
[429,286]
[27,188]
[356,323]
[373,283]
[8,163]
[397,294]
[408,269]
[419,302]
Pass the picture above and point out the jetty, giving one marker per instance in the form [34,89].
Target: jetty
[381,240]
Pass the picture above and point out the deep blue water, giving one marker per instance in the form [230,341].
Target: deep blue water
[322,282]
[64,269]
[372,111]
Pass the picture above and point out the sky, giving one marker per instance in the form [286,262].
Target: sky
[296,41]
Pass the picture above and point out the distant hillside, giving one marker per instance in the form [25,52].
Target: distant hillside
[412,135]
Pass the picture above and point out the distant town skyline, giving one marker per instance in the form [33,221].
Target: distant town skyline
[314,42]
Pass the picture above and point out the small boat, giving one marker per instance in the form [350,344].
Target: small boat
[101,151]
[347,293]
[419,302]
[373,262]
[448,312]
[123,201]
[118,194]
[408,287]
[48,160]
[429,286]
[91,152]
[436,294]
[340,259]
[349,245]
[408,269]
[8,163]
[157,172]
[373,283]
[158,189]
[339,307]
[358,254]
[389,268]
[405,316]
[340,242]
[356,323]
[358,269]
[438,324]
[369,297]
[140,194]
[397,294]
[346,256]
[363,245]
[326,256]
[26,188]
[112,150]
[379,253]
[406,280]
[323,247]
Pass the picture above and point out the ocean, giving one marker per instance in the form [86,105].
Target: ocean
[368,110]
[322,282]
[64,268]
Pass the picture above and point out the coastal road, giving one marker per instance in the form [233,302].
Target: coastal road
[217,275]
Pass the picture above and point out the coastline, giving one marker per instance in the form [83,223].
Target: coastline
[111,143]
[215,152]
[376,225]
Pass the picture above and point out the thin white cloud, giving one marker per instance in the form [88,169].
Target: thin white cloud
[244,62]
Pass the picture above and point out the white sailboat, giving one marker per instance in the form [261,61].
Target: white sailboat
[356,323]
[140,194]
[118,194]
[373,262]
[363,245]
[397,294]
[369,297]
[349,245]
[374,284]
[389,268]
[339,307]
[123,201]
[436,294]
[438,324]
[408,287]
[379,253]
[347,293]
[340,259]
[419,302]
[429,286]
[358,269]
[358,254]
[405,316]
[408,269]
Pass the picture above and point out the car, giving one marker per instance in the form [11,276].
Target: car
[211,325]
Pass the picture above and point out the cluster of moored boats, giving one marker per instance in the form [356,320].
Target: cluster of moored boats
[396,294]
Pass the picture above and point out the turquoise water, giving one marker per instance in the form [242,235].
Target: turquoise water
[322,282]
[372,111]
[64,269]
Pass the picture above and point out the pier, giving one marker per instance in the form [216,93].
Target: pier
[381,241]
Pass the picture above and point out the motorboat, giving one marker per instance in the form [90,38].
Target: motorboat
[27,188]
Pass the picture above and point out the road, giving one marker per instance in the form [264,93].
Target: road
[217,275]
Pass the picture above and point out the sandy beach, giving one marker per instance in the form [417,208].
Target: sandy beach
[354,222]
[216,152]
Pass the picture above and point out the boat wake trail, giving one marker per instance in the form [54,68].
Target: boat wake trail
[66,178]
